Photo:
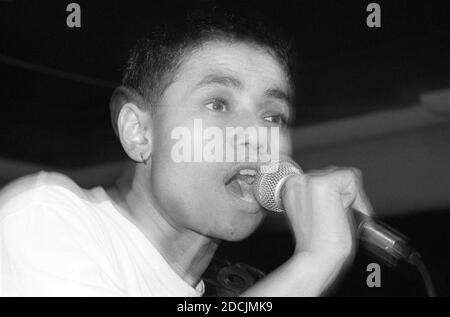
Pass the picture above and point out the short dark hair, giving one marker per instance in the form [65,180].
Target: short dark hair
[153,62]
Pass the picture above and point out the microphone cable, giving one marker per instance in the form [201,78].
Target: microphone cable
[416,260]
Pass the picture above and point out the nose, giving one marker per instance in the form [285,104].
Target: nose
[253,141]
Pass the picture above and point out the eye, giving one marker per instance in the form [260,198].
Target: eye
[217,105]
[276,119]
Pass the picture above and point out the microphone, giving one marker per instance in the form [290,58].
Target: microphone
[383,242]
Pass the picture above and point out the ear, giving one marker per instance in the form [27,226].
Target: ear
[132,122]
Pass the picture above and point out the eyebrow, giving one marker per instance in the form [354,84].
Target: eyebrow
[219,79]
[278,94]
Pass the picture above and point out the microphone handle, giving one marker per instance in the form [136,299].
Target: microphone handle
[382,241]
[390,246]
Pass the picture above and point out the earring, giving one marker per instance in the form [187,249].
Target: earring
[144,160]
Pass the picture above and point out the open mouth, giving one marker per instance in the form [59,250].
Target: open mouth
[241,184]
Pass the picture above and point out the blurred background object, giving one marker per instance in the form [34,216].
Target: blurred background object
[377,99]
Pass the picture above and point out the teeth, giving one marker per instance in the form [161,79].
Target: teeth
[247,172]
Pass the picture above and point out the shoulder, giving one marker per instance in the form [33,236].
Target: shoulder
[51,241]
[46,214]
[41,189]
[47,206]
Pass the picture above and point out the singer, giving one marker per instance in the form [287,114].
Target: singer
[155,232]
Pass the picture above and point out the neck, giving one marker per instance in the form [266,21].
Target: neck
[188,253]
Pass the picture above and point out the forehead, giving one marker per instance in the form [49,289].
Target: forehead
[246,62]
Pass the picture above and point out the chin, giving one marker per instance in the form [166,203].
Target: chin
[240,231]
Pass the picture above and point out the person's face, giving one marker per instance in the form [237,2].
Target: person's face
[224,85]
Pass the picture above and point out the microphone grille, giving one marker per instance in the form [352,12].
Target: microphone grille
[269,182]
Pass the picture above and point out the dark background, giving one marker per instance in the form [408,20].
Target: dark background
[346,68]
[56,84]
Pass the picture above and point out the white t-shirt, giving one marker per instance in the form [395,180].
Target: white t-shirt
[57,239]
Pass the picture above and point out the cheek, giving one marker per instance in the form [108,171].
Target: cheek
[285,145]
[171,188]
[183,189]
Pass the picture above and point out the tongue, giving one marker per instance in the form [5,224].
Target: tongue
[235,187]
[240,187]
